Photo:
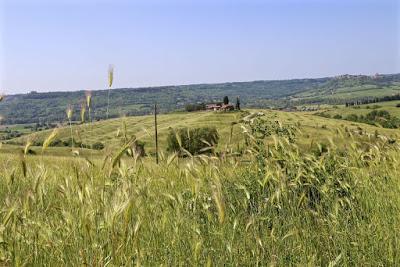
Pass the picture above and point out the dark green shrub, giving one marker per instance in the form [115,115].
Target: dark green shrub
[337,116]
[194,140]
[352,117]
[138,148]
[29,152]
[68,142]
[226,100]
[195,107]
[98,146]
[57,142]
[37,143]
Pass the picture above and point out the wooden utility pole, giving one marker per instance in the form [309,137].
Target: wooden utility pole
[155,129]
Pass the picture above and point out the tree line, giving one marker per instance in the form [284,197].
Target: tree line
[373,100]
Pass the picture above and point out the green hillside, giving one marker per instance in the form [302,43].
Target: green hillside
[50,107]
[313,129]
[346,88]
[390,106]
[382,114]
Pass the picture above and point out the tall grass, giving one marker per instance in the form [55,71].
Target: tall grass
[88,96]
[272,205]
[110,82]
[69,112]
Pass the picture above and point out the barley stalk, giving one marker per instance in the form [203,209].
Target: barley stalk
[110,82]
[69,112]
[49,139]
[83,112]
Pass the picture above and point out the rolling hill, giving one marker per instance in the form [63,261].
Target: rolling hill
[50,107]
[313,129]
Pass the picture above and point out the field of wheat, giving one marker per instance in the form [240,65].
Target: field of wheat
[272,203]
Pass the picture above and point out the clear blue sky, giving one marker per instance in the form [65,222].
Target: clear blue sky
[68,44]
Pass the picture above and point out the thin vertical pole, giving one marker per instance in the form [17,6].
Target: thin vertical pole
[155,128]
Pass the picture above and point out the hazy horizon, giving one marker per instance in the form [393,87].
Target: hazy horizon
[68,45]
[188,84]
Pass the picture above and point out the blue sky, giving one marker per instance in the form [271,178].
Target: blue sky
[68,45]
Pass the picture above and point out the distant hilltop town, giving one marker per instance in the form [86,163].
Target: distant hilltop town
[360,76]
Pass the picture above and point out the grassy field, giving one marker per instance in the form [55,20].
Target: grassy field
[345,89]
[19,129]
[353,92]
[277,202]
[389,106]
[313,128]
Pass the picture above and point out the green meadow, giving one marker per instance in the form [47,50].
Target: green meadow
[312,128]
[309,191]
[390,106]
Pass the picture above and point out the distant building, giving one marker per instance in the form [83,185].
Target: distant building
[220,107]
[376,76]
[227,107]
[214,106]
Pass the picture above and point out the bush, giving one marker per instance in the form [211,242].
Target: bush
[138,148]
[337,116]
[72,141]
[352,117]
[195,140]
[56,142]
[98,146]
[30,152]
[195,107]
[377,117]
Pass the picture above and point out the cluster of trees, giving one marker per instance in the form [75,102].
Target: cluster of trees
[41,126]
[373,100]
[376,117]
[195,107]
[194,140]
[9,134]
[68,143]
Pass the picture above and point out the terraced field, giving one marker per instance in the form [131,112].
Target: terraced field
[313,129]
